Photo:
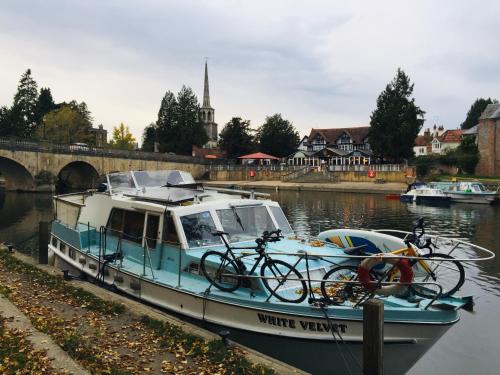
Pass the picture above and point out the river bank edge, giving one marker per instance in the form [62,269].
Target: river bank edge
[134,308]
[344,187]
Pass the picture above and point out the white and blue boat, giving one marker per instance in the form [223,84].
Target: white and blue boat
[146,233]
[466,192]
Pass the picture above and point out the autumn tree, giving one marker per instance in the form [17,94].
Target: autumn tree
[236,138]
[122,138]
[396,121]
[65,125]
[277,136]
[472,118]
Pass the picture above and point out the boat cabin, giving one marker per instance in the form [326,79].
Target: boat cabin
[147,217]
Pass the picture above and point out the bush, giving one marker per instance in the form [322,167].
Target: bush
[424,164]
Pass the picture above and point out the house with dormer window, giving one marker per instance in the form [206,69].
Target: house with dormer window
[335,146]
[345,139]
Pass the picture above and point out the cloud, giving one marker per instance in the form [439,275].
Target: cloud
[318,63]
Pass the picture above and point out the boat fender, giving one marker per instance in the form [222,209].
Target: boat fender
[367,264]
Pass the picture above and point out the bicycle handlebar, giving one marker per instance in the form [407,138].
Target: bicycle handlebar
[416,238]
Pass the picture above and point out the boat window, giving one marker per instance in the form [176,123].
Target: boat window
[281,220]
[162,178]
[130,223]
[115,221]
[245,223]
[199,228]
[169,231]
[478,188]
[153,222]
[121,180]
[133,226]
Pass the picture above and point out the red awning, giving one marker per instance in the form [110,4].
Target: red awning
[258,155]
[210,157]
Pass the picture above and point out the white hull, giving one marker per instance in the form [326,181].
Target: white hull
[471,198]
[248,318]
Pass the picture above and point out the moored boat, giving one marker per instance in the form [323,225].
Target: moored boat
[164,239]
[425,195]
[466,192]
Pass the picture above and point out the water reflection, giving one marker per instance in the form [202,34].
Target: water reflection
[20,214]
[469,347]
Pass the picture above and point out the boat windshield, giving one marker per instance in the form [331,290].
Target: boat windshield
[198,229]
[121,180]
[162,178]
[478,188]
[245,223]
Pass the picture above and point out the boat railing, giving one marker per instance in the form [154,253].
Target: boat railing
[148,255]
[368,293]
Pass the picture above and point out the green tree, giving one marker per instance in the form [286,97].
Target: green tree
[45,104]
[190,129]
[277,136]
[236,138]
[6,124]
[467,155]
[178,126]
[149,137]
[65,125]
[166,125]
[475,111]
[122,138]
[23,111]
[396,121]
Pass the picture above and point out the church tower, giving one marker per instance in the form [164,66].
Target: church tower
[207,114]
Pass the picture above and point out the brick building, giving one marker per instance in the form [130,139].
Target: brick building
[488,141]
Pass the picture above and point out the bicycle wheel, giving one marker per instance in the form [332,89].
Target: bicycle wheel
[220,270]
[450,275]
[289,285]
[335,290]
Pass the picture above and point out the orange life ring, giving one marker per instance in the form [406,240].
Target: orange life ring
[367,264]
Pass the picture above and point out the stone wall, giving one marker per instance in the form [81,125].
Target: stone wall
[488,137]
[244,175]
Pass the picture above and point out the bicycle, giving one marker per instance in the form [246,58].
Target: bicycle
[450,274]
[226,270]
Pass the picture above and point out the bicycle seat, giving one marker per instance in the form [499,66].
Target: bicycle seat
[219,233]
[356,250]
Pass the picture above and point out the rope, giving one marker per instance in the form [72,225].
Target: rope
[205,301]
[334,330]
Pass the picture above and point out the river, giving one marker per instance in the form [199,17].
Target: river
[469,347]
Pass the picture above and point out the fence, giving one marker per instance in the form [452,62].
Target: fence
[370,167]
[43,146]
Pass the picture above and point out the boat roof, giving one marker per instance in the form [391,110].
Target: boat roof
[169,187]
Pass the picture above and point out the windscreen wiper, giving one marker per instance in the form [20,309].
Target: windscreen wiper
[238,219]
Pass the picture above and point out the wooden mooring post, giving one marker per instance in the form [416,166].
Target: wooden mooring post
[373,337]
[43,242]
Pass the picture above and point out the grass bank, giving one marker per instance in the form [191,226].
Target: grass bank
[105,337]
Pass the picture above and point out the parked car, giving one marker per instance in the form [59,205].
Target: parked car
[79,147]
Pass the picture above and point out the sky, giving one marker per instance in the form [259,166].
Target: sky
[320,64]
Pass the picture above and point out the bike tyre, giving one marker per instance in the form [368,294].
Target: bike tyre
[273,267]
[225,266]
[327,276]
[454,286]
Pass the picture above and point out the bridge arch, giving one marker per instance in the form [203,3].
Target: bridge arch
[16,175]
[77,175]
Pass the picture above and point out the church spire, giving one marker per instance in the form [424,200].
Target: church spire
[206,94]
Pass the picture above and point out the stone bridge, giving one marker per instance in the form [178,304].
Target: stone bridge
[29,166]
